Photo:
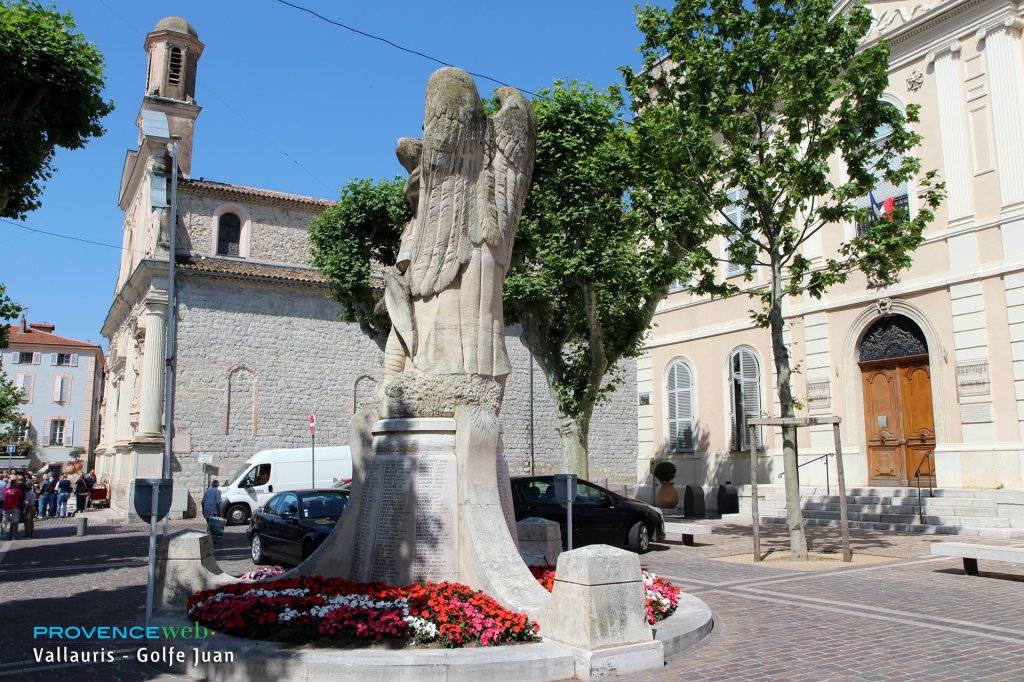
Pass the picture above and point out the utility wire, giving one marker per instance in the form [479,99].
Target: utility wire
[64,236]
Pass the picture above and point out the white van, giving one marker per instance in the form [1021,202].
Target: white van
[273,471]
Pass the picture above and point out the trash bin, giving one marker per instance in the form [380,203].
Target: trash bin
[728,499]
[693,501]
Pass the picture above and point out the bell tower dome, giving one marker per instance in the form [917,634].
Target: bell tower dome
[174,50]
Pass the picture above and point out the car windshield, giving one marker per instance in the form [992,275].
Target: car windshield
[323,504]
[238,473]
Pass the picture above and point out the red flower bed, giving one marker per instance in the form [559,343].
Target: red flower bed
[662,596]
[331,610]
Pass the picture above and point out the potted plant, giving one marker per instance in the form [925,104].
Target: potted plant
[667,496]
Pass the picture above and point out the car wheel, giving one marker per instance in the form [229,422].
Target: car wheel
[237,514]
[639,537]
[256,549]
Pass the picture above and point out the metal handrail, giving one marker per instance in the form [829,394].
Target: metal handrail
[828,489]
[917,474]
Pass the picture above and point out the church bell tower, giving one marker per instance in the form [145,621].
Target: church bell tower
[174,50]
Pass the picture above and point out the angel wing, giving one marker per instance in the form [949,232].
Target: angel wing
[513,134]
[450,167]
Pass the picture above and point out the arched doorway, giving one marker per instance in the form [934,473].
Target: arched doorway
[899,423]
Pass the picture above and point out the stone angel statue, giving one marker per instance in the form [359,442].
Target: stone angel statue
[468,179]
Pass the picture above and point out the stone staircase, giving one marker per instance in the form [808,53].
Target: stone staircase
[945,511]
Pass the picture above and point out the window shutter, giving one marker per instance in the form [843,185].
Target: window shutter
[74,359]
[53,358]
[736,438]
[673,413]
[46,432]
[65,394]
[751,382]
[58,388]
[685,409]
[36,358]
[69,433]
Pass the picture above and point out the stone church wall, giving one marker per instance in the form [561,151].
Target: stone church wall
[255,360]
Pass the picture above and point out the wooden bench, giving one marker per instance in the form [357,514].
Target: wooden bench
[687,530]
[971,553]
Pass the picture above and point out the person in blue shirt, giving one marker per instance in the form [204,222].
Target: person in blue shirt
[211,503]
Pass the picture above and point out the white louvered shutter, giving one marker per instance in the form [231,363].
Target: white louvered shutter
[46,432]
[74,359]
[736,438]
[53,358]
[734,212]
[750,378]
[36,358]
[69,433]
[680,408]
[65,391]
[58,389]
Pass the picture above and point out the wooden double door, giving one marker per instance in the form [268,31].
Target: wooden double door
[899,422]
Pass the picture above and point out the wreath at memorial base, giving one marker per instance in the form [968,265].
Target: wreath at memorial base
[662,596]
[332,611]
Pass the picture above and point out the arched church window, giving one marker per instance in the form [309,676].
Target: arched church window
[174,66]
[893,337]
[229,235]
[886,197]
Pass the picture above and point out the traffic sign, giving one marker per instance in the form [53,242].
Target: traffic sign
[205,459]
[312,424]
[11,449]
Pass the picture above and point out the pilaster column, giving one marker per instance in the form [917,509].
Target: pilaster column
[151,397]
[1002,48]
[125,391]
[953,131]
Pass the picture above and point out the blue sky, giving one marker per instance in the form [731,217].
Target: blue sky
[290,103]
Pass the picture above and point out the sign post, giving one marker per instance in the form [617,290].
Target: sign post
[312,438]
[566,495]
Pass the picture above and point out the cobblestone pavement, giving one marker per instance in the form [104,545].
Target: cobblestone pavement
[916,617]
[912,618]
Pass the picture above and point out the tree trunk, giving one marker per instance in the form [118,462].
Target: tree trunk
[794,517]
[573,435]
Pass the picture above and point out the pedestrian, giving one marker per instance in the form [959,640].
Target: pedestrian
[81,492]
[45,495]
[13,497]
[90,483]
[211,504]
[63,493]
[28,511]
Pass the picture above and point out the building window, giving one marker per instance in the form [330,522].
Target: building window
[680,407]
[229,235]
[65,360]
[744,397]
[20,430]
[23,382]
[61,388]
[734,212]
[24,358]
[57,432]
[174,66]
[886,197]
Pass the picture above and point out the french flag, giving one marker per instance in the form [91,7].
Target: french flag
[882,210]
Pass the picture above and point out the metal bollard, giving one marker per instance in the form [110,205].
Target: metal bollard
[82,523]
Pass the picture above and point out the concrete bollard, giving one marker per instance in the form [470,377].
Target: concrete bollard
[82,524]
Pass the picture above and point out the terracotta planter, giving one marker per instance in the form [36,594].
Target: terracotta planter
[667,496]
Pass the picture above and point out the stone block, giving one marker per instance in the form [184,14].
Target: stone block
[184,565]
[598,600]
[619,660]
[540,541]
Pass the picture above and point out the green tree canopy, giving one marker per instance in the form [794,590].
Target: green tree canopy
[352,240]
[51,80]
[10,397]
[764,123]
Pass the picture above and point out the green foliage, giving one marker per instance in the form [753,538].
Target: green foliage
[51,82]
[350,243]
[588,270]
[768,98]
[665,471]
[76,452]
[10,397]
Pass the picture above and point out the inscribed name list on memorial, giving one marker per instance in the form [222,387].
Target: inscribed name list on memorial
[366,524]
[396,484]
[436,552]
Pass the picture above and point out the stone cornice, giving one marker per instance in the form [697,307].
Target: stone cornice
[148,275]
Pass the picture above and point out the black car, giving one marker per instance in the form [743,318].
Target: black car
[599,516]
[291,525]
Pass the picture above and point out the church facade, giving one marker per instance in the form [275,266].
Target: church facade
[259,345]
[927,374]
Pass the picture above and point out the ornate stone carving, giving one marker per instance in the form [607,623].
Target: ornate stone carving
[915,80]
[884,307]
[468,179]
[421,394]
[893,337]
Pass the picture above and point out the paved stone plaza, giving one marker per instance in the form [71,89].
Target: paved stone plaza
[916,617]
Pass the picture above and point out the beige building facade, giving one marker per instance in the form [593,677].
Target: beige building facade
[927,374]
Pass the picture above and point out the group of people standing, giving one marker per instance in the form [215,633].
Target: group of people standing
[24,499]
